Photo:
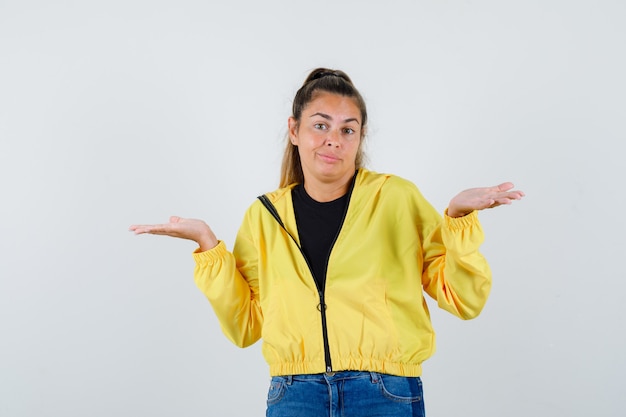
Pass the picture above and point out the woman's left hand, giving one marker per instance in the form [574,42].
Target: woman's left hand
[482,198]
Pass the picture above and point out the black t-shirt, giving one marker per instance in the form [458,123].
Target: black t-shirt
[318,227]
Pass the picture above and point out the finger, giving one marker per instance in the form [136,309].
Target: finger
[154,229]
[511,195]
[139,228]
[175,219]
[515,195]
[501,201]
[505,186]
[489,204]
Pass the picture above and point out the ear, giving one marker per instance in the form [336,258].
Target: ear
[293,130]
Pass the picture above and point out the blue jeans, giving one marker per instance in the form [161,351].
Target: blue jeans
[345,394]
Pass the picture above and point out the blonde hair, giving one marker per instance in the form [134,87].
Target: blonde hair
[331,81]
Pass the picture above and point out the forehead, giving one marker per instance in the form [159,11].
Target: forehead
[334,105]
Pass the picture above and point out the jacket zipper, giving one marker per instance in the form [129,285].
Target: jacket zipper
[322,305]
[320,291]
[329,365]
[322,308]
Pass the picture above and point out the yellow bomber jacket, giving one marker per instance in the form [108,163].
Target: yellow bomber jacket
[392,248]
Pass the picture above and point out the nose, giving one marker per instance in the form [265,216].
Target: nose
[332,138]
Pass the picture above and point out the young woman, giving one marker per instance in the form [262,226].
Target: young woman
[331,268]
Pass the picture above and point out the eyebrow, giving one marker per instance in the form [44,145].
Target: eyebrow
[327,117]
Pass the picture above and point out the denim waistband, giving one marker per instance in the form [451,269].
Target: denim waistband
[330,376]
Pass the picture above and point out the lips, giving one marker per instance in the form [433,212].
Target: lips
[328,158]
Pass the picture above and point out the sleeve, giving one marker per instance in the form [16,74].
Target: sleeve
[455,273]
[230,283]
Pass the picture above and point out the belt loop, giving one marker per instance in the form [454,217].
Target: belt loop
[375,377]
[289,379]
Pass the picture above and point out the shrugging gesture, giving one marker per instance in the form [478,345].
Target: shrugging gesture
[335,288]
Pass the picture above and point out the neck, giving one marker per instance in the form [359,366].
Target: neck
[327,191]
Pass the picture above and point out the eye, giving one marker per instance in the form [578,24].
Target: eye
[320,126]
[348,130]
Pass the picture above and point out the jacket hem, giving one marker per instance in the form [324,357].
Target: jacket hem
[348,364]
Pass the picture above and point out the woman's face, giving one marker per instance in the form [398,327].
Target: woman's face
[328,137]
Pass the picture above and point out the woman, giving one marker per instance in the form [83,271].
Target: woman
[330,269]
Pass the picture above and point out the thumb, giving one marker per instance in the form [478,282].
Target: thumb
[175,219]
[505,186]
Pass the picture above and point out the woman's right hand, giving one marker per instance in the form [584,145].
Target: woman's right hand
[191,229]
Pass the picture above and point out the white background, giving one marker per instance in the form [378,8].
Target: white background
[122,112]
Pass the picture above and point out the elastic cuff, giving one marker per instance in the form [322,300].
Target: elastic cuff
[464,222]
[212,255]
